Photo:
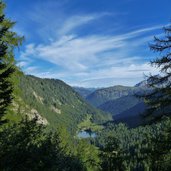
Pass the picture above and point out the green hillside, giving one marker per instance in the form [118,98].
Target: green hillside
[55,103]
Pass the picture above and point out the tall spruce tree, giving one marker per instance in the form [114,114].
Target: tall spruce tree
[159,99]
[8,41]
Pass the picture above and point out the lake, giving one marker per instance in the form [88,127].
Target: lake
[85,134]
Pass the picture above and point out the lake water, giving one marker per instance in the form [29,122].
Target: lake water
[85,134]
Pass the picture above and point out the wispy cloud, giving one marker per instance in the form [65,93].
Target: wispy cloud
[79,53]
[123,75]
[76,21]
[89,58]
[85,42]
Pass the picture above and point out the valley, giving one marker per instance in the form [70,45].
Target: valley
[57,103]
[122,122]
[120,102]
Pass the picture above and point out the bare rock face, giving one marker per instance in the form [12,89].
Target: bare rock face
[56,110]
[34,114]
[40,99]
[24,110]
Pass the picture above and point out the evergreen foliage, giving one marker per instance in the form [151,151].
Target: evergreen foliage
[141,148]
[159,100]
[8,41]
[58,103]
[26,146]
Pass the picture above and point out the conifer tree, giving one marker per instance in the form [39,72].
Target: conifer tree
[159,99]
[8,41]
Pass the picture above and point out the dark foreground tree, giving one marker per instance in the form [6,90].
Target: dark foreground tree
[159,99]
[25,146]
[8,41]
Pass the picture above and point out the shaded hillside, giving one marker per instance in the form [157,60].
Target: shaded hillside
[101,96]
[121,102]
[132,117]
[56,102]
[120,105]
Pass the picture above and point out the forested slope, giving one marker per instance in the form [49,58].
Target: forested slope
[120,105]
[56,102]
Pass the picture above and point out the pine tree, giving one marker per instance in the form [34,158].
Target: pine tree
[28,146]
[8,41]
[159,99]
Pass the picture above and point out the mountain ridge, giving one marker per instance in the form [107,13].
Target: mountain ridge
[56,102]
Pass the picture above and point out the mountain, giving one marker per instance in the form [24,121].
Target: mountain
[104,95]
[121,102]
[120,105]
[133,117]
[84,92]
[55,103]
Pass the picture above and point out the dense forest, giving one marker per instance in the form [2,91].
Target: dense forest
[40,118]
[56,102]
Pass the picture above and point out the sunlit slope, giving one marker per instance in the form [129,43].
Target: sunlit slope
[57,103]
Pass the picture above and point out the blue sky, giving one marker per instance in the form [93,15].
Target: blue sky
[88,43]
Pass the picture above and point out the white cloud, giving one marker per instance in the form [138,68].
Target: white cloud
[73,53]
[125,72]
[90,58]
[139,31]
[121,75]
[79,53]
[76,21]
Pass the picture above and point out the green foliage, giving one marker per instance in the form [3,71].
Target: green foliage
[8,41]
[88,125]
[26,146]
[142,148]
[112,154]
[159,100]
[89,155]
[57,102]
